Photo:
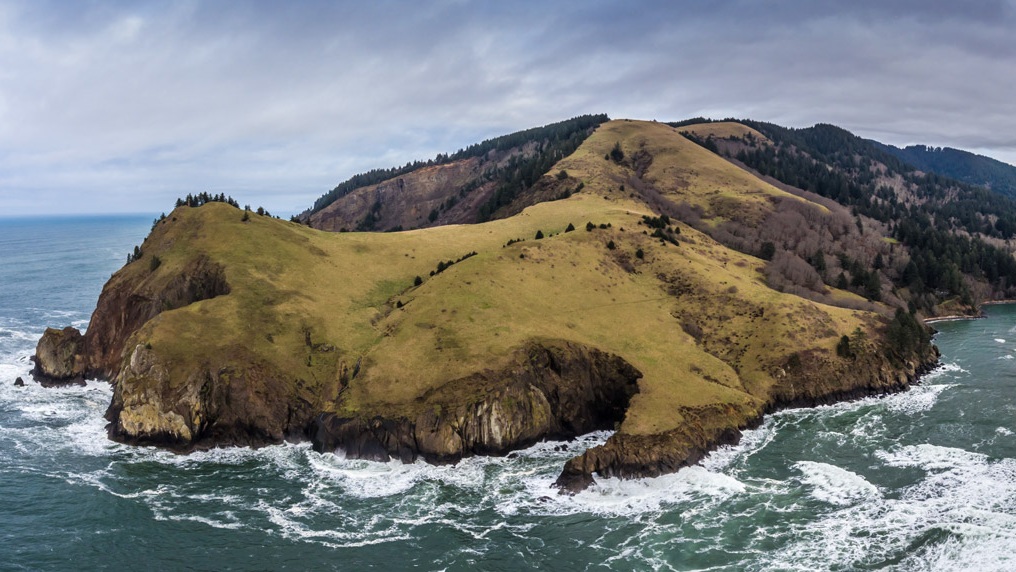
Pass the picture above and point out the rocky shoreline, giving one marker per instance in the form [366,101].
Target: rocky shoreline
[636,456]
[550,391]
[186,378]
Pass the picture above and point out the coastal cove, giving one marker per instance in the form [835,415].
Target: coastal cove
[924,479]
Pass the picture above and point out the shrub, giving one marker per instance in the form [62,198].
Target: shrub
[156,262]
[616,154]
[417,281]
[843,347]
[640,254]
[570,228]
[611,245]
[562,175]
[539,234]
[590,226]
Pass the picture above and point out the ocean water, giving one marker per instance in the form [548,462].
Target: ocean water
[922,480]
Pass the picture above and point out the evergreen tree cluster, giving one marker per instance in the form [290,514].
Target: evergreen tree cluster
[203,198]
[960,165]
[906,335]
[443,265]
[522,171]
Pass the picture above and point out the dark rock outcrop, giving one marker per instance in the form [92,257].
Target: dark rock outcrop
[19,382]
[125,305]
[59,356]
[553,390]
[252,407]
[633,456]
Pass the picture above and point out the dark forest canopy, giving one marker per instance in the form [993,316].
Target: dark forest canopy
[958,164]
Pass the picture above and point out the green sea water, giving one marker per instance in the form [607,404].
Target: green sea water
[922,480]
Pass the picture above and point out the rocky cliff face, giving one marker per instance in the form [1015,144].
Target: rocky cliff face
[250,407]
[818,381]
[551,391]
[123,307]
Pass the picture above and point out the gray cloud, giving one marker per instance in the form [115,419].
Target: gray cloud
[117,107]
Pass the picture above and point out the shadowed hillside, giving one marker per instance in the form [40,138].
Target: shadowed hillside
[488,180]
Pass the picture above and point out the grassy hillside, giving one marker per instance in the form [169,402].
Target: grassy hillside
[290,283]
[386,330]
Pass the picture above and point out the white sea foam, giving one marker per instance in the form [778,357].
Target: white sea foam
[917,399]
[629,497]
[752,441]
[966,495]
[1000,340]
[835,485]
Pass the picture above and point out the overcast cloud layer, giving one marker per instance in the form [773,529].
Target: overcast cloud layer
[122,107]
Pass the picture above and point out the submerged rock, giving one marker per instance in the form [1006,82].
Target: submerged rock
[19,382]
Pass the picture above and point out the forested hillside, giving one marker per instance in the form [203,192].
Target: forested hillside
[956,237]
[960,165]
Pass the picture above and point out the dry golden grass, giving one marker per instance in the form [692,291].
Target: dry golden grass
[723,130]
[290,282]
[680,170]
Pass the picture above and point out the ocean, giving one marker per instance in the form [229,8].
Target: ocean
[921,480]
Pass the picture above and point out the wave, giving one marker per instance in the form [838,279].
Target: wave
[834,485]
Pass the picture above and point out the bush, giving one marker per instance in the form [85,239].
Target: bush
[640,254]
[611,245]
[570,228]
[417,281]
[616,154]
[156,262]
[843,347]
[590,226]
[539,234]
[562,175]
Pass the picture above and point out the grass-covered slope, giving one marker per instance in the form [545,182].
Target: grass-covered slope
[251,331]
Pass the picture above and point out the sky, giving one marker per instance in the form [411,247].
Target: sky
[121,107]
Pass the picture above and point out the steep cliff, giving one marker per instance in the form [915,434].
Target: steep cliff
[478,339]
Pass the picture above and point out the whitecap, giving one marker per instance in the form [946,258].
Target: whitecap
[752,441]
[630,497]
[836,485]
[1000,340]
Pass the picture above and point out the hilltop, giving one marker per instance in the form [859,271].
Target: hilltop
[642,282]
